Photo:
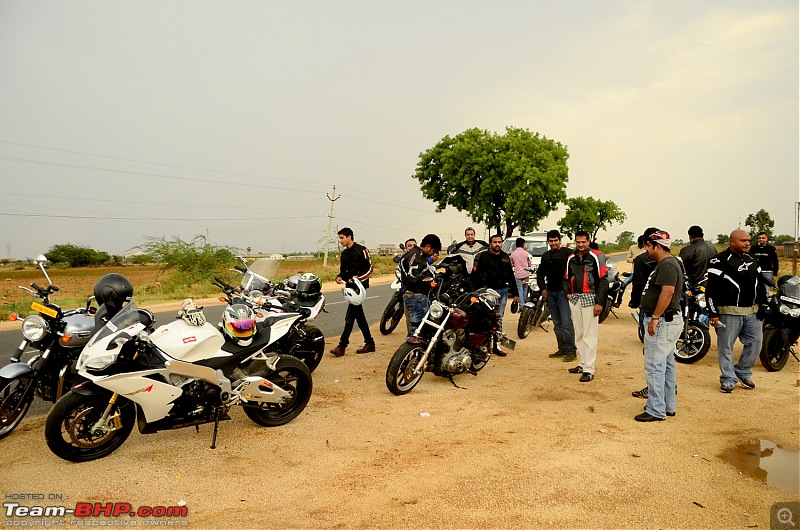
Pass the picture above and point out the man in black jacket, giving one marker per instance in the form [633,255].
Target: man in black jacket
[493,269]
[354,264]
[735,297]
[549,278]
[417,280]
[767,258]
[695,256]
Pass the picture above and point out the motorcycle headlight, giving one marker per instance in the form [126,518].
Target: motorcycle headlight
[34,328]
[785,309]
[436,310]
[794,313]
[96,363]
[701,300]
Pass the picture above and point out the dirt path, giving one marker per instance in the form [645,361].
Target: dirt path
[522,445]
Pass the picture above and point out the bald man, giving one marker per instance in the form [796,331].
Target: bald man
[735,295]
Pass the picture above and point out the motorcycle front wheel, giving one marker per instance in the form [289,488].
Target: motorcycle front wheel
[392,315]
[291,375]
[400,376]
[525,318]
[69,427]
[693,344]
[15,400]
[541,312]
[606,310]
[774,353]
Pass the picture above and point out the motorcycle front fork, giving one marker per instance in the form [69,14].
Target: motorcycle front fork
[102,423]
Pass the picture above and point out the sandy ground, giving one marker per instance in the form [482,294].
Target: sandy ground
[522,445]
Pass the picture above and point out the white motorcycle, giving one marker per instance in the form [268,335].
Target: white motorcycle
[182,374]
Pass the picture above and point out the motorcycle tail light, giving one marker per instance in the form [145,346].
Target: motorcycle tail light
[459,319]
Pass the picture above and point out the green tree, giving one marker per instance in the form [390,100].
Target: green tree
[783,238]
[626,238]
[194,260]
[760,222]
[722,239]
[589,214]
[76,256]
[502,181]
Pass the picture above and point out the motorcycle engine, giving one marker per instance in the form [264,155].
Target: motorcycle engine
[456,362]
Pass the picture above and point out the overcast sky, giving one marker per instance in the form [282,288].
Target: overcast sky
[126,120]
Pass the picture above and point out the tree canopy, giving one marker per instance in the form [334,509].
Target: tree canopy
[589,214]
[76,256]
[502,181]
[194,260]
[760,222]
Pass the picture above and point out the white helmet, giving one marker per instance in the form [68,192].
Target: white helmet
[356,294]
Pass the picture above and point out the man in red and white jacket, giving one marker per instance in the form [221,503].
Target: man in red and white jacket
[586,286]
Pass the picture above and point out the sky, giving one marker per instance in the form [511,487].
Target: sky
[123,121]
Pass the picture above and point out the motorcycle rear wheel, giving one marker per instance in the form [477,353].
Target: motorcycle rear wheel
[774,353]
[524,326]
[400,378]
[68,429]
[692,345]
[311,348]
[13,406]
[392,315]
[292,375]
[606,310]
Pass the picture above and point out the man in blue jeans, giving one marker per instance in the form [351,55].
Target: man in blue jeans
[417,281]
[493,269]
[735,297]
[549,277]
[661,308]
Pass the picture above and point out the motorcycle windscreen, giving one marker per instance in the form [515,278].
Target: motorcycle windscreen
[127,317]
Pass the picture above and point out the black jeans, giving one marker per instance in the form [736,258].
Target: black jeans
[355,313]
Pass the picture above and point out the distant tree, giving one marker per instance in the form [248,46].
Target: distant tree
[722,239]
[760,222]
[625,238]
[75,255]
[783,238]
[194,260]
[589,214]
[503,181]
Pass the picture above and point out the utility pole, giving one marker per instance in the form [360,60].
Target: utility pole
[333,199]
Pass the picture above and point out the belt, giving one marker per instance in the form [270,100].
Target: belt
[668,315]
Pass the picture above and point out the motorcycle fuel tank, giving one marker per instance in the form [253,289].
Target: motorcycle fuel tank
[80,329]
[188,343]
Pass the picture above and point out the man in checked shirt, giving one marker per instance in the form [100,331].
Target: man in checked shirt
[586,285]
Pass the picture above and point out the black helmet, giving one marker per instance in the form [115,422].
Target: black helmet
[113,290]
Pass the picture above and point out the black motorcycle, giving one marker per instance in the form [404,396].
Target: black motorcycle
[458,334]
[59,336]
[395,309]
[534,312]
[614,286]
[781,324]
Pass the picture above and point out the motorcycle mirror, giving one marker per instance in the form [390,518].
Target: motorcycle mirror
[40,260]
[396,259]
[401,246]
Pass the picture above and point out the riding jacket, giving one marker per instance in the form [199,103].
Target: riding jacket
[355,263]
[695,258]
[587,274]
[414,272]
[734,280]
[494,271]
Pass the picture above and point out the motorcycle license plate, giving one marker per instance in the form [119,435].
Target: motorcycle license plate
[44,310]
[507,343]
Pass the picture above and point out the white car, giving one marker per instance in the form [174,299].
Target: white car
[535,243]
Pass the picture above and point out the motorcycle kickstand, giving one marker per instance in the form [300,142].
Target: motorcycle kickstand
[216,428]
[454,383]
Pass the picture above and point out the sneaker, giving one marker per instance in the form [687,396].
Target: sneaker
[338,351]
[726,389]
[368,348]
[569,357]
[559,353]
[747,382]
[586,377]
[670,414]
[640,393]
[644,416]
[575,370]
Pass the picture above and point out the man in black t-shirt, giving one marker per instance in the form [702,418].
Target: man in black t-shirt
[664,323]
[549,278]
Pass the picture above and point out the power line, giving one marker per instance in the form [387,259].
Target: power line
[103,218]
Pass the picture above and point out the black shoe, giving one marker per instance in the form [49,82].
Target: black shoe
[586,377]
[644,416]
[747,382]
[726,389]
[569,357]
[640,393]
[499,352]
[559,353]
[670,414]
[575,370]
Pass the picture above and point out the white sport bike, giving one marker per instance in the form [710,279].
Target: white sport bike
[182,374]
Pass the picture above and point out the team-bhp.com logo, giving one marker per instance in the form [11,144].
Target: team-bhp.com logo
[158,514]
